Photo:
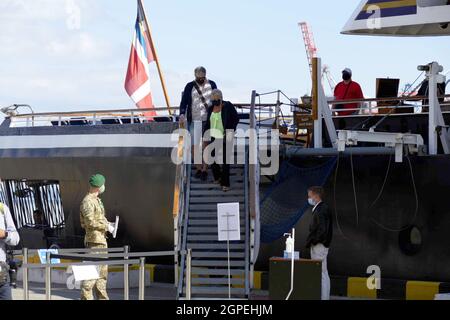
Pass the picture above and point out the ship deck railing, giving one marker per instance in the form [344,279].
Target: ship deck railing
[92,117]
[266,113]
[395,106]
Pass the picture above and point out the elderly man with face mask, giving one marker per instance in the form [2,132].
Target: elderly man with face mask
[194,107]
[93,221]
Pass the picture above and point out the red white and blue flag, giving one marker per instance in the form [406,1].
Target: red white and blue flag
[137,83]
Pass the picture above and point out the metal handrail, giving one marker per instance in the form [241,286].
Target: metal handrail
[390,99]
[35,251]
[248,188]
[94,260]
[185,227]
[114,255]
[179,196]
[189,275]
[84,113]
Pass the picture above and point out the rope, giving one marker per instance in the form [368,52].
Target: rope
[384,183]
[335,198]
[410,86]
[416,195]
[354,187]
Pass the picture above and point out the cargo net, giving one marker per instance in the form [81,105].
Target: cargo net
[286,200]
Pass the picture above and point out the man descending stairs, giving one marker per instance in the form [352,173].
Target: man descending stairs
[209,256]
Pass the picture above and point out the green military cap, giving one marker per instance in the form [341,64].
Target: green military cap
[97,180]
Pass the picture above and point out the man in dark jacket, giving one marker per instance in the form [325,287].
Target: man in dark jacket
[221,125]
[194,107]
[321,233]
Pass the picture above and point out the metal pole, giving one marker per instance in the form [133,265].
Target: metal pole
[142,279]
[317,107]
[155,56]
[176,245]
[48,278]
[228,255]
[126,284]
[188,274]
[25,274]
[292,265]
[432,92]
[278,110]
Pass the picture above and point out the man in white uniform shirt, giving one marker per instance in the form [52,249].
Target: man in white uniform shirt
[8,236]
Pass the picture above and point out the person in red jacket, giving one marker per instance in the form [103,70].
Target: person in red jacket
[347,90]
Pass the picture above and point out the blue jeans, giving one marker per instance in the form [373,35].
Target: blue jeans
[5,292]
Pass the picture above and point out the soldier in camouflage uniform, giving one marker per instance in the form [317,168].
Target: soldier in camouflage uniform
[93,221]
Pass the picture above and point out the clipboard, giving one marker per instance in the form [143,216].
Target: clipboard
[116,224]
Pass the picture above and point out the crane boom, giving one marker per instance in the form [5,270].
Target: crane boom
[312,52]
[310,45]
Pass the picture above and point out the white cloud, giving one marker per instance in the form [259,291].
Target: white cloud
[81,45]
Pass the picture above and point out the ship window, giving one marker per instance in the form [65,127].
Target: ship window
[410,240]
[33,204]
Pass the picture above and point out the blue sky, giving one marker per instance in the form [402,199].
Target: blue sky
[245,45]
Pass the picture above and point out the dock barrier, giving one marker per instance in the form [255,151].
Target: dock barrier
[92,257]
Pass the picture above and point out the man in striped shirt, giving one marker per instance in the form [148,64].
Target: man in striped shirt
[194,107]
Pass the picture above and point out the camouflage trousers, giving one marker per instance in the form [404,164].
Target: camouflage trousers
[98,286]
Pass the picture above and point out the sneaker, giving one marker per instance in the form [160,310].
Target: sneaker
[204,176]
[198,174]
[217,182]
[226,189]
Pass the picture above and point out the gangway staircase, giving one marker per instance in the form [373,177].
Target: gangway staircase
[197,230]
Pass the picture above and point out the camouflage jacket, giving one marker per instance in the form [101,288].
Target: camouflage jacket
[93,219]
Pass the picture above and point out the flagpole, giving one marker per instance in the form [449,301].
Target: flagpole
[163,84]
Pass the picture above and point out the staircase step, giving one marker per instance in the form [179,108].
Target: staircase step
[215,200]
[233,172]
[222,291]
[215,193]
[219,281]
[217,272]
[217,263]
[233,255]
[208,207]
[232,167]
[216,187]
[215,246]
[207,237]
[208,222]
[203,214]
[207,214]
[205,230]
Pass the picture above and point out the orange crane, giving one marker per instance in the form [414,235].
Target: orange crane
[310,45]
[311,52]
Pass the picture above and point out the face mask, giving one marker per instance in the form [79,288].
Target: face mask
[216,103]
[346,76]
[102,189]
[311,202]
